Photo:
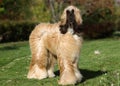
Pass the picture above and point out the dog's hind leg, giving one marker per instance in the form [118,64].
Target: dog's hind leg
[38,63]
[50,65]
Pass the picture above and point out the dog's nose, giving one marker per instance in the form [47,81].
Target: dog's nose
[71,24]
[71,17]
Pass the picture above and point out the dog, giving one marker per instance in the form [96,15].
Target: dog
[59,41]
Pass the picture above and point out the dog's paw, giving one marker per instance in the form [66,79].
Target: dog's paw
[37,76]
[34,76]
[67,82]
[51,74]
[37,73]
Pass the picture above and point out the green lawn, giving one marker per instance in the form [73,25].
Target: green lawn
[98,70]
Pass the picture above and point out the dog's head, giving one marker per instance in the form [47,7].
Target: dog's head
[70,12]
[70,18]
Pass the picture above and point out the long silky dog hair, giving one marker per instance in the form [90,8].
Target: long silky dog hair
[59,41]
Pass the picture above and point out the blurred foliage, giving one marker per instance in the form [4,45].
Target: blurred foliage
[117,21]
[24,10]
[15,31]
[98,15]
[15,9]
[99,24]
[17,17]
[39,11]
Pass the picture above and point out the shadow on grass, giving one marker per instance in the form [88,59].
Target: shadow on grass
[87,74]
[13,47]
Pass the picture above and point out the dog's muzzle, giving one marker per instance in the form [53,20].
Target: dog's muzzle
[70,18]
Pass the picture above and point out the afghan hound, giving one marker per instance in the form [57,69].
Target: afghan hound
[59,41]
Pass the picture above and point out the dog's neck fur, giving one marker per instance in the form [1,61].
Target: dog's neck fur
[73,29]
[70,30]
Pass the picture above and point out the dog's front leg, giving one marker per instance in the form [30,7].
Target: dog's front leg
[77,72]
[67,75]
[50,65]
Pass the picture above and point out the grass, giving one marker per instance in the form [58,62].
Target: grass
[98,69]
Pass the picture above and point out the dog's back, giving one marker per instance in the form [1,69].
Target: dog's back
[44,28]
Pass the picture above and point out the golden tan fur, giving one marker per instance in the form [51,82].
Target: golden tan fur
[47,44]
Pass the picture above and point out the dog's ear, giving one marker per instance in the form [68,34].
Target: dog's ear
[78,17]
[67,12]
[79,30]
[63,29]
[63,18]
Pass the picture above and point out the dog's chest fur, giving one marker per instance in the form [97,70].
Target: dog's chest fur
[54,41]
[70,30]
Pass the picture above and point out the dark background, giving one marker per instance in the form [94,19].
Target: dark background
[101,18]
